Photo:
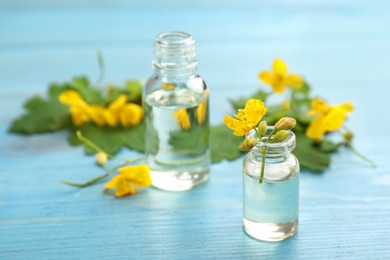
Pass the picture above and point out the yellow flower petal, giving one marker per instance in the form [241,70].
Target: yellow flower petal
[280,67]
[71,97]
[110,118]
[129,179]
[201,112]
[318,106]
[316,129]
[267,77]
[247,118]
[183,119]
[168,86]
[347,107]
[255,110]
[279,86]
[124,188]
[113,182]
[96,113]
[131,114]
[294,81]
[116,105]
[79,114]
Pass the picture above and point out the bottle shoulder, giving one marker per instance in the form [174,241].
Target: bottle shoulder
[195,83]
[183,93]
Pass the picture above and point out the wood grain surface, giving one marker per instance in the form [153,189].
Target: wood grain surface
[342,48]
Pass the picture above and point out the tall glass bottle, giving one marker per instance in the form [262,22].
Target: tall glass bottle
[271,208]
[176,102]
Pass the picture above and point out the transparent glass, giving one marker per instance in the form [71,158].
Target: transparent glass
[271,208]
[176,102]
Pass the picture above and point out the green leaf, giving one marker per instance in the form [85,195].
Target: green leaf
[91,95]
[304,89]
[33,102]
[328,146]
[224,145]
[113,94]
[42,116]
[134,91]
[310,156]
[191,142]
[111,139]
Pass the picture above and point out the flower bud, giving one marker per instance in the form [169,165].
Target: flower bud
[262,128]
[348,136]
[248,144]
[280,136]
[101,158]
[286,123]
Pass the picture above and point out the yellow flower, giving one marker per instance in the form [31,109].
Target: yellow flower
[96,113]
[131,114]
[71,97]
[79,114]
[247,118]
[183,119]
[113,111]
[329,118]
[78,108]
[118,111]
[129,179]
[201,112]
[168,86]
[279,78]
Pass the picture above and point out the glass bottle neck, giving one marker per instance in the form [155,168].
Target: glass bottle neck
[174,56]
[272,154]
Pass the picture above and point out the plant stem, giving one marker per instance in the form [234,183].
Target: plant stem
[270,135]
[257,132]
[95,180]
[98,149]
[263,152]
[101,66]
[360,154]
[90,143]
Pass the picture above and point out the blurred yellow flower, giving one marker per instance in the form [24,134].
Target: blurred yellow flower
[96,114]
[247,118]
[71,97]
[118,111]
[131,114]
[79,114]
[328,118]
[78,108]
[183,119]
[114,110]
[129,179]
[201,112]
[168,86]
[279,78]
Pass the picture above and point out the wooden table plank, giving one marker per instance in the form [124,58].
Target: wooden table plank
[342,47]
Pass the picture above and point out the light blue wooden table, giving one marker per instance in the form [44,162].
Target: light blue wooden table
[343,49]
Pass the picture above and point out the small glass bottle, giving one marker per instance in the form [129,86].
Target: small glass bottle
[271,208]
[176,102]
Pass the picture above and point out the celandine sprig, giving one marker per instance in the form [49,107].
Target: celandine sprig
[249,118]
[129,177]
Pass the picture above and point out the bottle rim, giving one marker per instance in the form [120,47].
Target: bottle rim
[280,147]
[173,38]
